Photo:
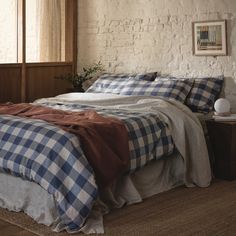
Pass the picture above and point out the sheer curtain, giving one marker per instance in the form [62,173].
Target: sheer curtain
[8,31]
[52,39]
[45,31]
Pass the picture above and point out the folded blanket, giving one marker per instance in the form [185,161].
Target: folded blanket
[104,140]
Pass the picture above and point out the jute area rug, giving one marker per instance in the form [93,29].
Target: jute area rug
[181,211]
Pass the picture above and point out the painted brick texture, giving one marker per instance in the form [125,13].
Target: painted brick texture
[155,35]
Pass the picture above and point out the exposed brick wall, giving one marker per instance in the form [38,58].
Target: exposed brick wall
[154,35]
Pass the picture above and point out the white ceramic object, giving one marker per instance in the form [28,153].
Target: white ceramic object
[222,106]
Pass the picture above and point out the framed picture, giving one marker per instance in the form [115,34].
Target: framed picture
[209,38]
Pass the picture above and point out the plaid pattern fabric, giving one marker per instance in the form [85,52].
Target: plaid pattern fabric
[109,84]
[149,138]
[51,157]
[114,83]
[167,88]
[204,93]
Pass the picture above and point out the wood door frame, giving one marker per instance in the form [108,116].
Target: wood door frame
[23,69]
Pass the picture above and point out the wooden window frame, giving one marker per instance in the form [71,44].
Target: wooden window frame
[70,46]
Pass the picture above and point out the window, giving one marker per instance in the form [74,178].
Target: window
[45,24]
[38,42]
[8,31]
[45,30]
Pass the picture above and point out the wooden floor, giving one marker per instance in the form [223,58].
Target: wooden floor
[182,211]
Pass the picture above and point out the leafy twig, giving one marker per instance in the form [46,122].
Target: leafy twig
[87,73]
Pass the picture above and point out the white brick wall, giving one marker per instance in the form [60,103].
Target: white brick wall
[154,35]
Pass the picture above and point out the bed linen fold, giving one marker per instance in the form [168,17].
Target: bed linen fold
[159,176]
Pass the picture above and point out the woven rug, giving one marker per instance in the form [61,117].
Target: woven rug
[22,220]
[181,211]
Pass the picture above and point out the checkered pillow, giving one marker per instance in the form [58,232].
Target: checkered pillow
[166,88]
[114,83]
[108,83]
[204,93]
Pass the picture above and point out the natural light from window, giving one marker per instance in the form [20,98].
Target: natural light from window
[45,31]
[32,31]
[8,31]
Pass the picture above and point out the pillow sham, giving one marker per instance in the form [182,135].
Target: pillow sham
[204,93]
[108,83]
[167,88]
[147,76]
[113,83]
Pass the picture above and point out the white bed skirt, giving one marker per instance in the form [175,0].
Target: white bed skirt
[17,194]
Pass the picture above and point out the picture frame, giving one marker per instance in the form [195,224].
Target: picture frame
[209,38]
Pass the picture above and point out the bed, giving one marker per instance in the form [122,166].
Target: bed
[57,185]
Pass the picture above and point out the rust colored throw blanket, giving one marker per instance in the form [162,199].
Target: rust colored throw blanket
[104,140]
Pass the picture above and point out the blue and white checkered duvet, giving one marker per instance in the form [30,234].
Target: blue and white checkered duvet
[148,137]
[53,158]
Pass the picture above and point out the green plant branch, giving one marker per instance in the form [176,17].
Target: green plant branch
[87,73]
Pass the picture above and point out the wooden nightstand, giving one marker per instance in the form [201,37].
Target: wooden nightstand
[223,142]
